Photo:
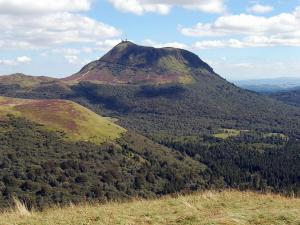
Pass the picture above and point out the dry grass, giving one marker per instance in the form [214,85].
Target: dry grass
[228,207]
[19,208]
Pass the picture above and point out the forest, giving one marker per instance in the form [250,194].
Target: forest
[41,169]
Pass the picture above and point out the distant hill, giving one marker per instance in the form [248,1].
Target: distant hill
[291,97]
[269,85]
[228,207]
[25,81]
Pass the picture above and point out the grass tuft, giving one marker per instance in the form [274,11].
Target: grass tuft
[20,208]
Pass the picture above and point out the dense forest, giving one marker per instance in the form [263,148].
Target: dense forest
[272,165]
[40,168]
[291,97]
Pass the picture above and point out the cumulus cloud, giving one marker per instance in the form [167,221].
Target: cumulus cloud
[253,41]
[42,6]
[246,24]
[260,9]
[107,44]
[24,59]
[26,31]
[73,59]
[140,7]
[76,60]
[7,62]
[162,45]
[14,62]
[255,31]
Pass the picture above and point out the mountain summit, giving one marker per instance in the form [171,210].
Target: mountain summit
[128,63]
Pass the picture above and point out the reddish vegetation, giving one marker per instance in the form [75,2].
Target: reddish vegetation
[52,111]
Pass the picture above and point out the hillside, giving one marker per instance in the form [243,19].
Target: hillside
[25,81]
[42,167]
[291,97]
[77,122]
[229,207]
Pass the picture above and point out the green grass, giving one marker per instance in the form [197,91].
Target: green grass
[172,64]
[227,133]
[228,207]
[278,135]
[77,122]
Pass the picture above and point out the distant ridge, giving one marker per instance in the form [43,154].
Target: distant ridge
[25,81]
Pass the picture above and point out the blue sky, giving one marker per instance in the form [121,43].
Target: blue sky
[239,39]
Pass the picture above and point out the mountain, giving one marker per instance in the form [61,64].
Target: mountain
[128,63]
[150,101]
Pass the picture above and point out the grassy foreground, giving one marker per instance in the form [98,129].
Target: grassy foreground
[228,207]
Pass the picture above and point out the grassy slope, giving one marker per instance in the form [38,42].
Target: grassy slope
[24,81]
[76,121]
[229,207]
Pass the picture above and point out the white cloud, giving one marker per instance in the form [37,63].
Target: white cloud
[15,62]
[252,31]
[138,7]
[7,62]
[107,44]
[72,59]
[253,41]
[68,51]
[42,6]
[26,31]
[260,9]
[164,6]
[246,24]
[162,45]
[24,59]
